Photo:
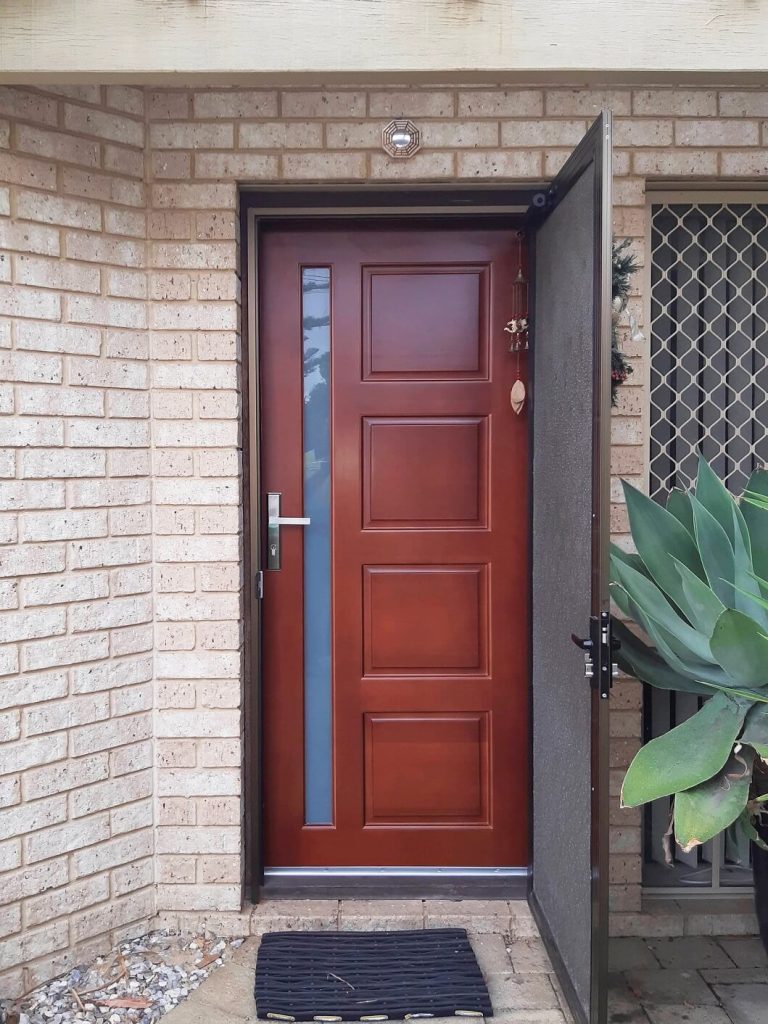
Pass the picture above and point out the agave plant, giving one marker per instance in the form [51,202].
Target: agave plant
[698,587]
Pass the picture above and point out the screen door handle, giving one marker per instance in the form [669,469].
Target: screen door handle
[274,522]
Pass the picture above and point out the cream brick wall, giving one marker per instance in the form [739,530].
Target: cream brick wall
[76,765]
[120,340]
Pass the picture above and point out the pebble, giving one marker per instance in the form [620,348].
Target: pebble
[162,968]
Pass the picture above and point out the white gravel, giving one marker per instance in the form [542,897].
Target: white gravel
[149,975]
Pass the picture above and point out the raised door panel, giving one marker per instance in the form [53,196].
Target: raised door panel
[425,620]
[425,322]
[426,769]
[425,472]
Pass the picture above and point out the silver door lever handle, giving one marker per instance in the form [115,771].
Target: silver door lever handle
[274,522]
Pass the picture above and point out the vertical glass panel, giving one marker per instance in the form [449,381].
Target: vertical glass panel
[316,332]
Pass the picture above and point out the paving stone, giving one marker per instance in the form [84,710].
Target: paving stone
[528,1017]
[478,916]
[245,956]
[194,1011]
[491,953]
[745,951]
[521,922]
[669,986]
[380,915]
[745,1004]
[737,976]
[529,956]
[522,992]
[229,989]
[691,953]
[623,1007]
[627,954]
[685,1014]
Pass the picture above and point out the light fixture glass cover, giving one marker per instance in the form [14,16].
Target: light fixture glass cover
[401,138]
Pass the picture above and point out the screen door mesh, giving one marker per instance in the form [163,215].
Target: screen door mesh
[709,392]
[709,341]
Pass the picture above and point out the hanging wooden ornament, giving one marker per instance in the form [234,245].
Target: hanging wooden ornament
[517,396]
[517,328]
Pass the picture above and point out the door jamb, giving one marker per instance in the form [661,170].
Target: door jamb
[284,203]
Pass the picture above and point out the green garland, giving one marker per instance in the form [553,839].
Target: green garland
[625,264]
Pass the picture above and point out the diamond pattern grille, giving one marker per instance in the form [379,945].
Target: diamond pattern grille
[709,393]
[709,341]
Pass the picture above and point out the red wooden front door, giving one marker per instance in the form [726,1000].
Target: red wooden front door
[395,658]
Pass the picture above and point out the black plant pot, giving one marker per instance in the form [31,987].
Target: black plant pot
[760,871]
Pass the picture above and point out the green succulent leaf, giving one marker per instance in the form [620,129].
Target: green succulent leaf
[741,647]
[679,505]
[713,495]
[641,661]
[628,558]
[704,606]
[754,508]
[747,595]
[756,729]
[687,755]
[655,606]
[716,552]
[705,810]
[657,535]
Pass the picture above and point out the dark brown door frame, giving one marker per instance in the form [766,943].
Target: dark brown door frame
[282,203]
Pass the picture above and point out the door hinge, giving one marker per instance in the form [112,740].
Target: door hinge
[258,585]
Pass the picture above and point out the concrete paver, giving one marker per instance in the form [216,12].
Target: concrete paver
[692,979]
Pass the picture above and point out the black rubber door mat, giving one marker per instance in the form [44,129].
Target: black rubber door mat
[369,976]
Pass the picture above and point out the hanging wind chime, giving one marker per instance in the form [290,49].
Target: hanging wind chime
[517,327]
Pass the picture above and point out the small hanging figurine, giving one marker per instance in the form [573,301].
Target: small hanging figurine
[517,327]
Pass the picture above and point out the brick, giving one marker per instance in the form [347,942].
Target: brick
[751,103]
[187,135]
[74,897]
[75,213]
[66,714]
[530,134]
[651,162]
[107,373]
[242,166]
[194,196]
[501,103]
[282,135]
[27,625]
[171,163]
[17,170]
[195,840]
[125,611]
[28,106]
[744,164]
[111,793]
[423,165]
[51,653]
[571,102]
[18,301]
[110,854]
[35,943]
[32,752]
[235,104]
[99,249]
[63,525]
[181,375]
[127,345]
[104,735]
[198,665]
[61,463]
[98,553]
[30,431]
[126,98]
[714,132]
[108,434]
[323,166]
[322,104]
[126,222]
[678,102]
[32,817]
[109,312]
[29,689]
[642,132]
[500,163]
[208,256]
[25,495]
[10,726]
[104,125]
[43,337]
[20,237]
